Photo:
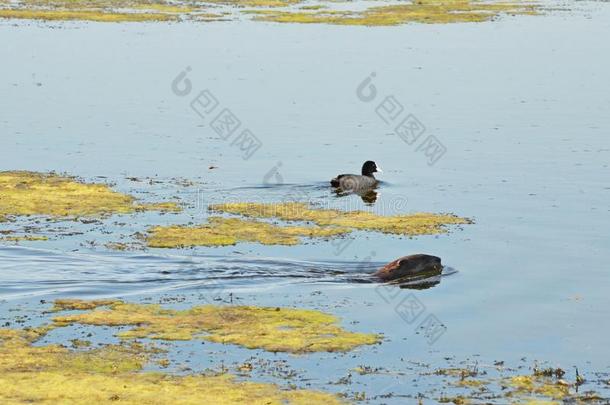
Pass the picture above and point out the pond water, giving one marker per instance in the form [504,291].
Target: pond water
[521,106]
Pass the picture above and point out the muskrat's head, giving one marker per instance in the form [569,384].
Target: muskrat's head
[413,267]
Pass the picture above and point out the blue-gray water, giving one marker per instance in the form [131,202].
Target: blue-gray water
[521,105]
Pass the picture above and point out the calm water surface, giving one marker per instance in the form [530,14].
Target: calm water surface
[521,105]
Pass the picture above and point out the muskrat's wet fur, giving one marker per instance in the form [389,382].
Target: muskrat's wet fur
[412,266]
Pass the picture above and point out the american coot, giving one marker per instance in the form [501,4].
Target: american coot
[355,182]
[411,267]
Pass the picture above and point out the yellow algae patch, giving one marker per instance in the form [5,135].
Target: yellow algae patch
[19,238]
[468,382]
[412,224]
[543,386]
[81,305]
[421,11]
[163,206]
[31,193]
[519,389]
[313,7]
[96,10]
[17,355]
[256,3]
[457,400]
[92,4]
[53,374]
[210,17]
[11,338]
[83,15]
[229,231]
[164,8]
[121,10]
[272,329]
[148,388]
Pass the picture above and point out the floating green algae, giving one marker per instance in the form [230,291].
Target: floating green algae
[83,15]
[534,389]
[31,193]
[229,231]
[420,11]
[256,3]
[69,304]
[269,328]
[148,388]
[124,10]
[53,374]
[96,10]
[20,238]
[410,225]
[538,385]
[17,354]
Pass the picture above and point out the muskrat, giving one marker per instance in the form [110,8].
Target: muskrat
[411,267]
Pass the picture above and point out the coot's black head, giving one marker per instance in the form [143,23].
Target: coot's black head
[369,167]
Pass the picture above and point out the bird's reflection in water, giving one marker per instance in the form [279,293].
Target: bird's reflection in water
[368,196]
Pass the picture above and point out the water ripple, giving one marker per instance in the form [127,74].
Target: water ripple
[36,272]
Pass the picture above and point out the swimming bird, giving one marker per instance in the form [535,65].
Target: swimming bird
[355,182]
[411,267]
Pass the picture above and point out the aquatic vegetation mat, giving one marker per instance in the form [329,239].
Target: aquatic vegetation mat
[148,388]
[126,10]
[33,370]
[268,328]
[96,10]
[535,388]
[419,11]
[112,373]
[17,354]
[281,11]
[21,238]
[25,193]
[539,386]
[229,231]
[83,15]
[81,305]
[408,225]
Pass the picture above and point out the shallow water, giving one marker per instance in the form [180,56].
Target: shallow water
[521,105]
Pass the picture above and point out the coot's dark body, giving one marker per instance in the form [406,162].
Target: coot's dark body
[355,182]
[412,266]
